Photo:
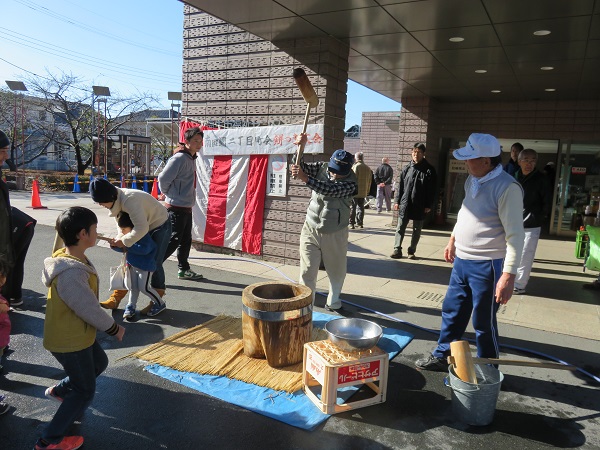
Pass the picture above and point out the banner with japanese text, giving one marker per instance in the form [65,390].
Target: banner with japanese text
[273,140]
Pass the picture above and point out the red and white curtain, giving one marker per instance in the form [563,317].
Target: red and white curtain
[230,198]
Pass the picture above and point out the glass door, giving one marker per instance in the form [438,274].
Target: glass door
[577,190]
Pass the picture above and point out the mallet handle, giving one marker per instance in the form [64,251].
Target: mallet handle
[518,362]
[300,151]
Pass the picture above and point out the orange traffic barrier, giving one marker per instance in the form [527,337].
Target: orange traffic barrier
[36,203]
[155,188]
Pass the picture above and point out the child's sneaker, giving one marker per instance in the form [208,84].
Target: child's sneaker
[189,275]
[67,443]
[52,396]
[4,407]
[156,309]
[15,301]
[129,312]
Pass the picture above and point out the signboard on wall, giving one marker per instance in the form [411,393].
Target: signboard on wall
[457,166]
[277,176]
[274,140]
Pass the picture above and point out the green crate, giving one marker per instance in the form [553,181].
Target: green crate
[582,244]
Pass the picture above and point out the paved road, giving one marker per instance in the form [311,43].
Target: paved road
[135,410]
[555,300]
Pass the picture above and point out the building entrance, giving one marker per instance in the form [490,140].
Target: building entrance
[577,191]
[548,156]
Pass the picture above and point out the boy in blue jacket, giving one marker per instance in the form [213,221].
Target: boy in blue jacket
[141,263]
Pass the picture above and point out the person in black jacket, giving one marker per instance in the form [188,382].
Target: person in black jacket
[23,229]
[537,201]
[6,244]
[16,233]
[414,199]
[384,175]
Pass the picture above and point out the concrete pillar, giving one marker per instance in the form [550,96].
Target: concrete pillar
[416,125]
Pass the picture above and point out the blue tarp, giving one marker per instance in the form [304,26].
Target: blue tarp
[294,409]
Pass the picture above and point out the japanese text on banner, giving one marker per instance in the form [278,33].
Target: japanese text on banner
[275,140]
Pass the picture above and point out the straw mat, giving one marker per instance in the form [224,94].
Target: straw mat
[216,348]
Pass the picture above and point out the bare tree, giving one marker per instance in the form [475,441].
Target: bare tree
[68,100]
[161,134]
[20,119]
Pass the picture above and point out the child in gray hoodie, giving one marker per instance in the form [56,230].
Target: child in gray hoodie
[73,314]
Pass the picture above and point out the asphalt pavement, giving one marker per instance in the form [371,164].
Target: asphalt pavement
[537,408]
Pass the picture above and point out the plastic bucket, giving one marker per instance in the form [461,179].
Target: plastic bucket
[475,404]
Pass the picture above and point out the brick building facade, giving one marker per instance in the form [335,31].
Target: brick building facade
[232,78]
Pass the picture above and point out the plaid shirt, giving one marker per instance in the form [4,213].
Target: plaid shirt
[336,189]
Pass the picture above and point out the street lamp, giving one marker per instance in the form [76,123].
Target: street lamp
[99,91]
[98,101]
[174,96]
[17,86]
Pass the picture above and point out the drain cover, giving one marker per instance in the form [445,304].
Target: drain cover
[431,297]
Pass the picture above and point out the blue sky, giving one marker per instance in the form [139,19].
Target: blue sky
[131,46]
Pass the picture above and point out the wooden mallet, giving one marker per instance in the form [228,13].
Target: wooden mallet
[58,242]
[463,361]
[311,99]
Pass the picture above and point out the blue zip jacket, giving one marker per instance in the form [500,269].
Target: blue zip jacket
[142,254]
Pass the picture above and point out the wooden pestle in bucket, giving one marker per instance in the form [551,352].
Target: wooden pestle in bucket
[463,361]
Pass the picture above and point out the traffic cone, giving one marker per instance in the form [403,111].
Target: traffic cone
[123,183]
[155,189]
[76,187]
[36,203]
[145,185]
[133,182]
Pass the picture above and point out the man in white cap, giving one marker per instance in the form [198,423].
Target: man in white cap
[485,248]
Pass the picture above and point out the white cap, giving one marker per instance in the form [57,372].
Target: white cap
[478,146]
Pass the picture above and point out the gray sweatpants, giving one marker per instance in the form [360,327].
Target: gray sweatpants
[140,282]
[333,248]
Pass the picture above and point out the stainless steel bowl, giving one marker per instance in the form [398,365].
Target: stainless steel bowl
[353,334]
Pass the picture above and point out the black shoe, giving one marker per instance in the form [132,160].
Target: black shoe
[360,226]
[432,363]
[329,308]
[397,254]
[352,227]
[593,286]
[15,301]
[411,256]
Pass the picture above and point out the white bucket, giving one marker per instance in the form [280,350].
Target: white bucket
[475,404]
